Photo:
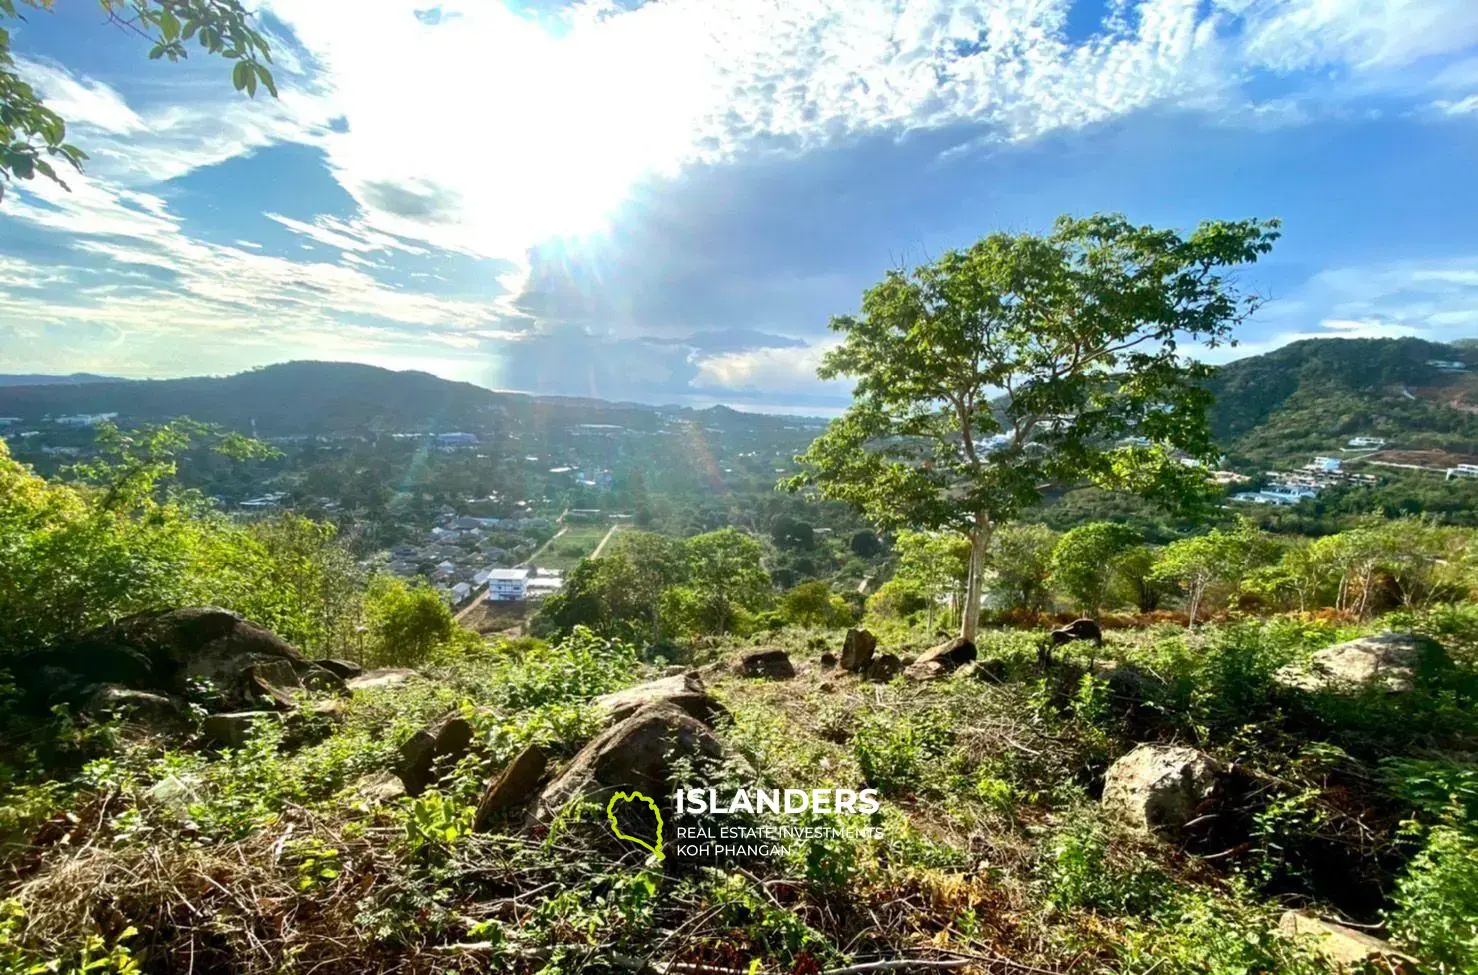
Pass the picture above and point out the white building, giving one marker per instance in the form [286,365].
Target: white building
[508,585]
[460,592]
[1448,365]
[1326,464]
[1366,443]
[84,419]
[1462,470]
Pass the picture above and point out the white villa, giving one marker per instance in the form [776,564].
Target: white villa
[508,585]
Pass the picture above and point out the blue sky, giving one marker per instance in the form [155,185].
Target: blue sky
[666,202]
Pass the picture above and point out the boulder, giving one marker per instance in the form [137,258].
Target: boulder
[1388,661]
[857,650]
[1159,787]
[233,728]
[884,667]
[380,786]
[637,753]
[993,671]
[511,787]
[377,679]
[175,793]
[446,740]
[942,659]
[171,652]
[1344,948]
[774,663]
[1079,629]
[342,669]
[111,699]
[828,659]
[686,691]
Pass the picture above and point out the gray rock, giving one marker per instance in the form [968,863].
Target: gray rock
[773,663]
[384,677]
[637,753]
[686,691]
[941,660]
[343,669]
[231,729]
[884,667]
[175,792]
[1159,787]
[511,787]
[110,699]
[1344,948]
[857,650]
[380,786]
[444,740]
[1388,661]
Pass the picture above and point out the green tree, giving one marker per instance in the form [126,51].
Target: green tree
[1133,577]
[788,532]
[648,565]
[990,374]
[406,623]
[724,573]
[1021,559]
[814,604]
[1221,556]
[1083,562]
[936,565]
[32,136]
[1300,576]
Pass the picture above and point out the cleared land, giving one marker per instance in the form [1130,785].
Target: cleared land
[566,551]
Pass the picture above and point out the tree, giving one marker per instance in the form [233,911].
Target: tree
[1220,556]
[991,374]
[651,563]
[1021,557]
[935,565]
[813,604]
[1299,575]
[32,135]
[788,532]
[865,544]
[406,623]
[1083,562]
[724,572]
[1133,571]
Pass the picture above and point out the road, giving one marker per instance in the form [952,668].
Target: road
[601,547]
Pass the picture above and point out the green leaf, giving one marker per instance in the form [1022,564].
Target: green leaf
[240,74]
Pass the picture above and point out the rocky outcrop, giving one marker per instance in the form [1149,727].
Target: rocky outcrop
[1159,787]
[1388,661]
[773,663]
[685,691]
[380,787]
[384,677]
[1079,629]
[941,660]
[113,700]
[343,669]
[884,667]
[206,651]
[857,650]
[233,728]
[444,740]
[1344,948]
[511,787]
[637,753]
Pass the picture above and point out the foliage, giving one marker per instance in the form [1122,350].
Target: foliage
[1220,557]
[1021,558]
[1083,562]
[814,604]
[31,134]
[1078,328]
[405,623]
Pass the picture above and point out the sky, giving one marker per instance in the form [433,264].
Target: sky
[667,201]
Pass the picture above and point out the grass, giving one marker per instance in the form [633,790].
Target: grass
[161,856]
[566,551]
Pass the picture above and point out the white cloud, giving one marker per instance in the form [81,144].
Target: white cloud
[767,370]
[82,102]
[1463,106]
[1288,35]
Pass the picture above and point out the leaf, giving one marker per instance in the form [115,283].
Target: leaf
[239,75]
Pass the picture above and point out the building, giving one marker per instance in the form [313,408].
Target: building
[456,439]
[544,582]
[508,585]
[1447,365]
[1281,494]
[1462,470]
[460,592]
[1326,465]
[1367,443]
[84,419]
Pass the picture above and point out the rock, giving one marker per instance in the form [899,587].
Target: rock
[512,786]
[636,753]
[1343,947]
[942,659]
[110,699]
[1078,629]
[380,786]
[774,663]
[342,669]
[1128,684]
[884,667]
[857,650]
[685,690]
[826,687]
[377,679]
[233,728]
[262,693]
[446,739]
[175,792]
[828,659]
[993,671]
[1158,787]
[1389,661]
[169,652]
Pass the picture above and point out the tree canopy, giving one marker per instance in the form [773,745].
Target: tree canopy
[987,376]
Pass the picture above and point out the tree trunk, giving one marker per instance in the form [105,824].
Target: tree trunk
[979,542]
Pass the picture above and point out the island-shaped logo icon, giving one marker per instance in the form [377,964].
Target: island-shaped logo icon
[626,797]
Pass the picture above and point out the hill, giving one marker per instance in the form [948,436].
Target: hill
[1314,396]
[36,379]
[307,397]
